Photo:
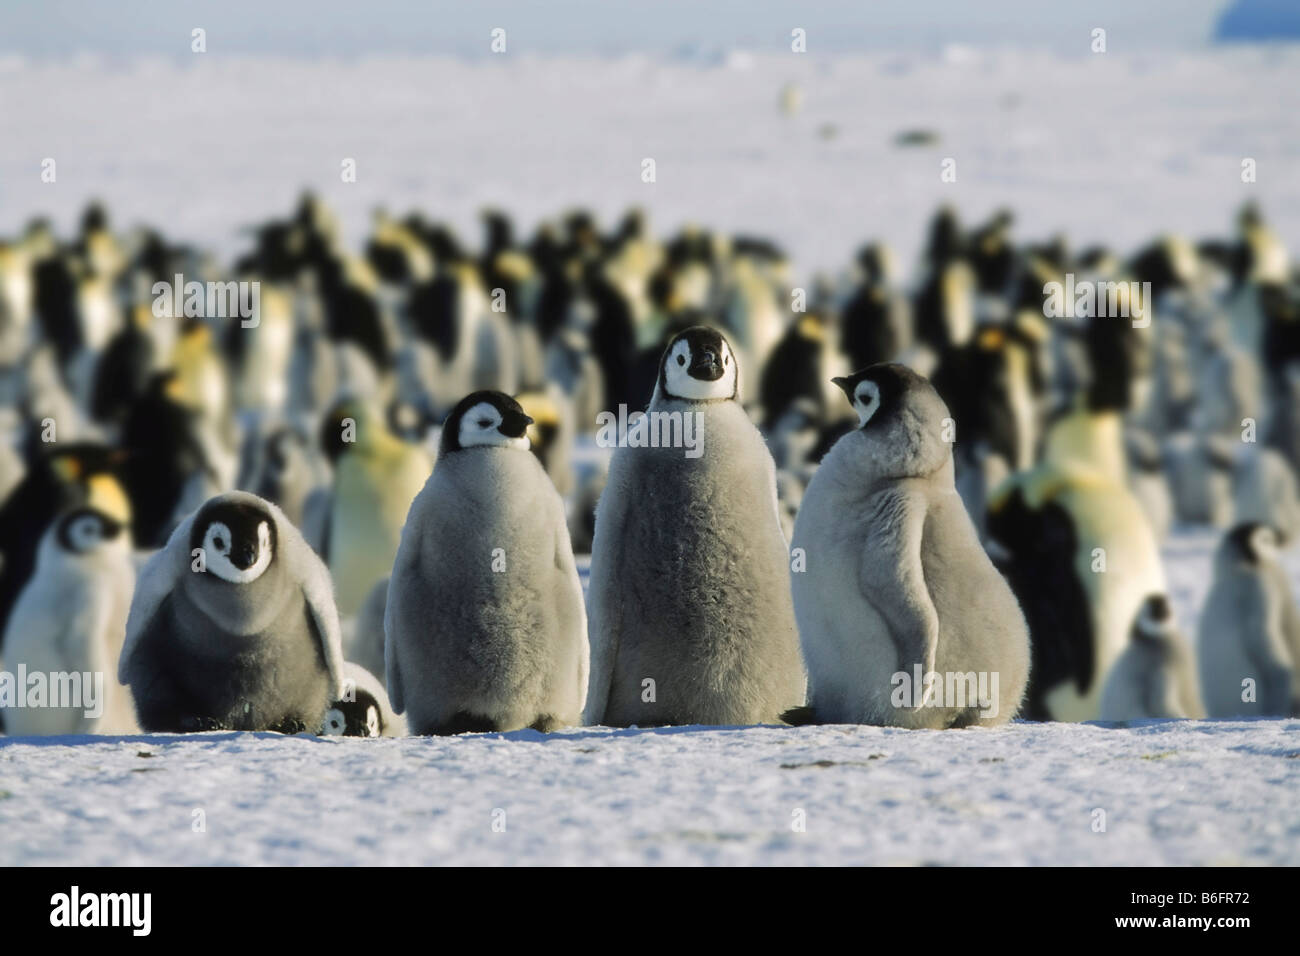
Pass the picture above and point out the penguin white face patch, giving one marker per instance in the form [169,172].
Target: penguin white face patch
[236,562]
[481,425]
[336,724]
[681,383]
[866,401]
[84,533]
[1264,543]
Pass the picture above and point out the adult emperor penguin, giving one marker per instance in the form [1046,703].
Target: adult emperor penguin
[376,477]
[1249,636]
[485,628]
[1155,677]
[691,618]
[896,581]
[1074,542]
[233,626]
[71,620]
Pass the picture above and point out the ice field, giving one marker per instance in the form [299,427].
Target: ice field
[1115,147]
[1112,147]
[1173,792]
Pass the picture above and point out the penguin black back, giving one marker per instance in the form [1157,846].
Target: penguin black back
[1040,569]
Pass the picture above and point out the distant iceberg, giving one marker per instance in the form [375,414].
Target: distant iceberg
[1250,21]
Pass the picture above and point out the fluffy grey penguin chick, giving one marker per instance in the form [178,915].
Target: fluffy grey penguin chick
[233,626]
[691,618]
[1249,634]
[485,628]
[1155,676]
[896,583]
[364,709]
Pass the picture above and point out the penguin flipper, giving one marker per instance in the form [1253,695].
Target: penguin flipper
[892,580]
[604,623]
[154,584]
[318,592]
[404,582]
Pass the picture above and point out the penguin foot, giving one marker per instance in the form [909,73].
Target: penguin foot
[465,723]
[546,723]
[290,725]
[799,716]
[194,724]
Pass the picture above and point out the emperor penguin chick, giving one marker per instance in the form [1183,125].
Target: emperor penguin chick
[485,628]
[1249,634]
[233,626]
[70,619]
[1155,676]
[364,709]
[897,586]
[691,619]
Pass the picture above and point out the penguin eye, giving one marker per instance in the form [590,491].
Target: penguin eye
[221,544]
[485,423]
[681,360]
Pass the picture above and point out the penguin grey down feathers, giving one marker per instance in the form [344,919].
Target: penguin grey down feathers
[897,585]
[485,628]
[1249,630]
[1155,676]
[233,626]
[70,619]
[691,619]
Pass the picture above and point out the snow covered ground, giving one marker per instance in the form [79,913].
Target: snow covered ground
[1173,792]
[1112,147]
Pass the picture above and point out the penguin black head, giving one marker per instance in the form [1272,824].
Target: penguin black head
[238,539]
[699,366]
[902,419]
[1155,619]
[485,418]
[82,530]
[283,447]
[336,435]
[361,717]
[1251,542]
[875,391]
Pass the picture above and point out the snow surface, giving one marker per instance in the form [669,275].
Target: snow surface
[1173,792]
[1112,147]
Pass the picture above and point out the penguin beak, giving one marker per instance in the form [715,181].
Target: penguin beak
[706,366]
[843,383]
[243,557]
[514,424]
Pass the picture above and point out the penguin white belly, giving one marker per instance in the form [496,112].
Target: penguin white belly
[58,629]
[700,601]
[486,621]
[1109,518]
[366,526]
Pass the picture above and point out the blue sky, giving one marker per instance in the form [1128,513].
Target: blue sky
[601,27]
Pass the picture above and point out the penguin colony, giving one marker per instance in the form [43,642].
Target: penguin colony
[365,513]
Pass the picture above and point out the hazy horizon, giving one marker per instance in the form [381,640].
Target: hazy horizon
[144,28]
